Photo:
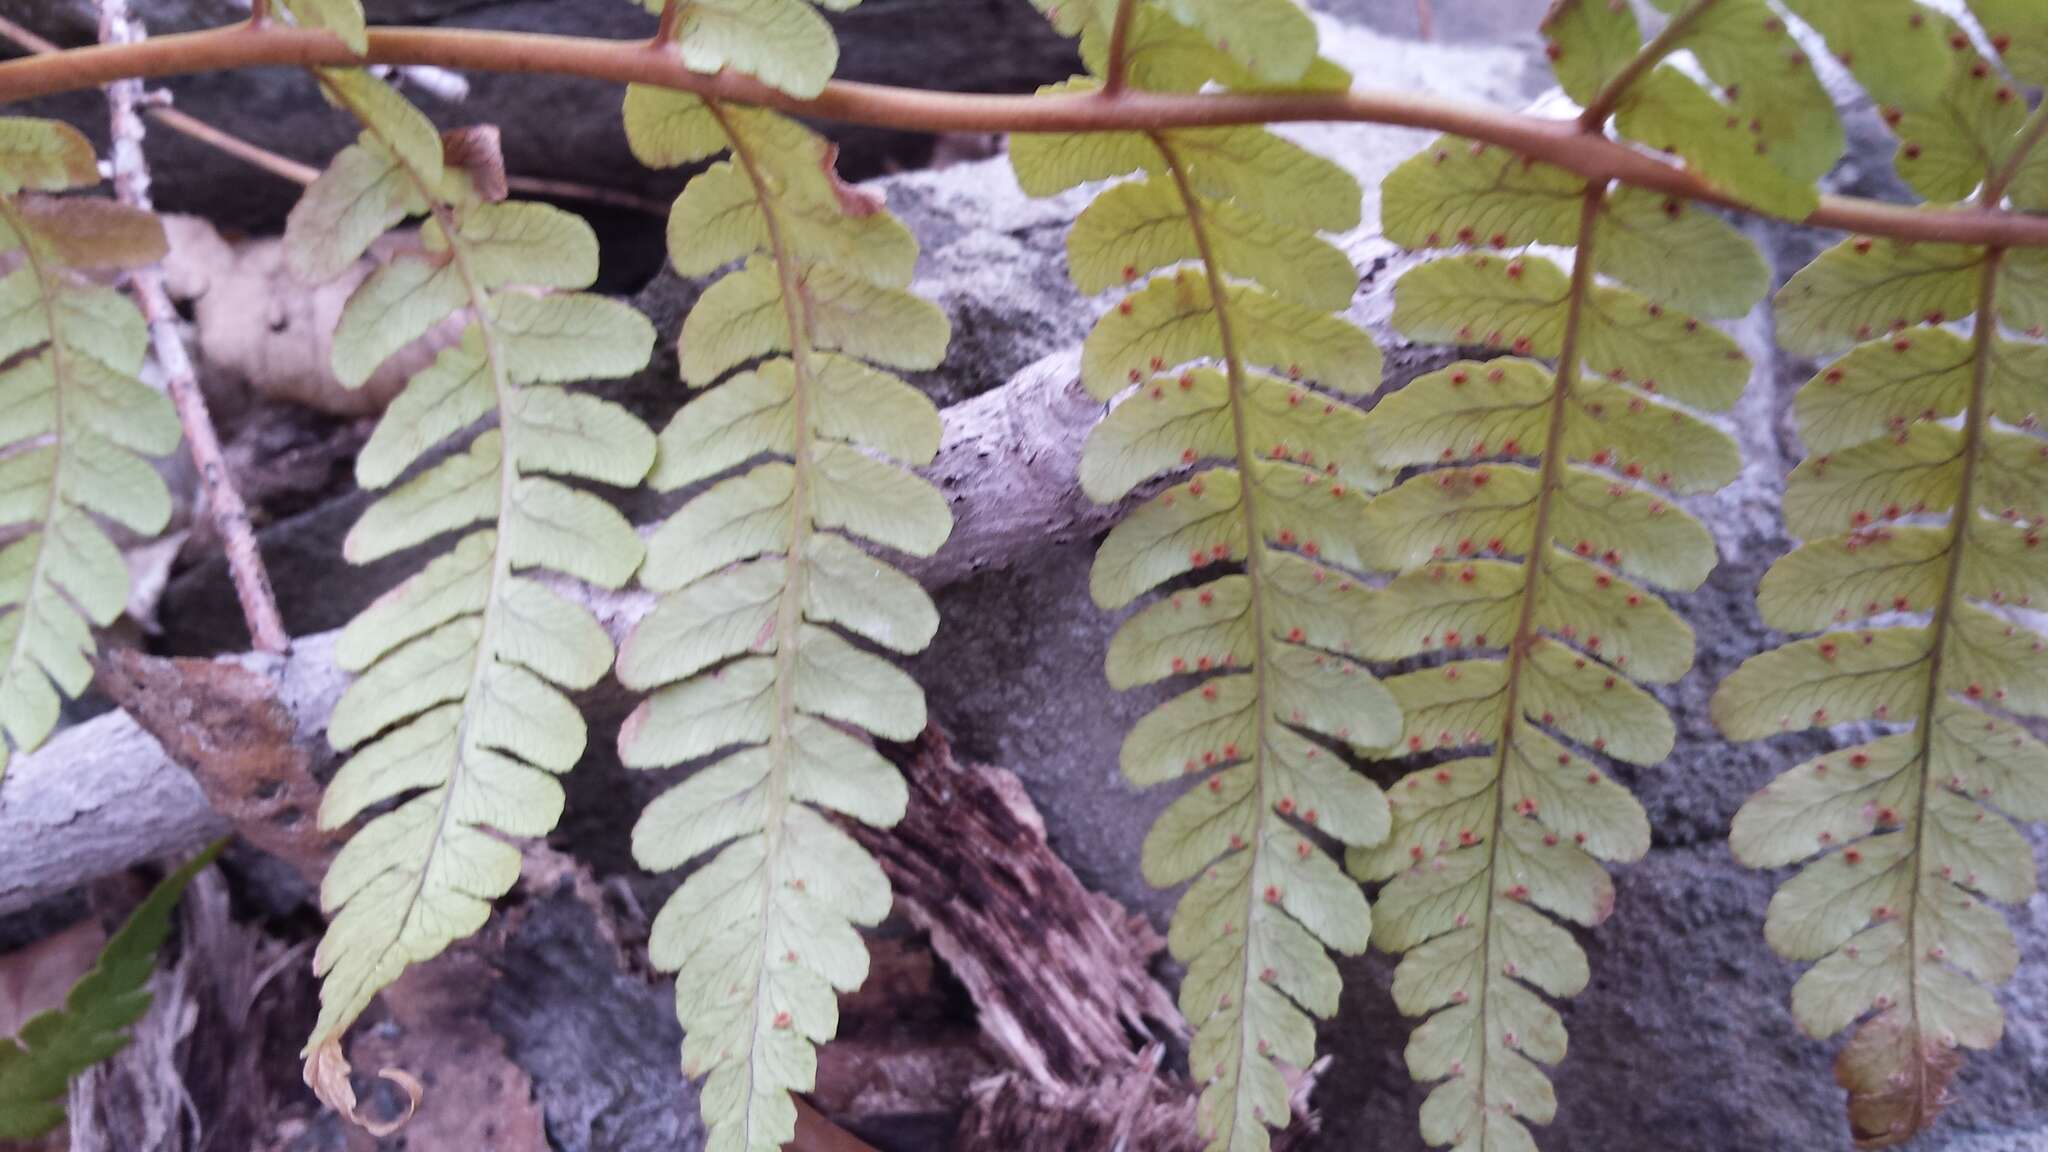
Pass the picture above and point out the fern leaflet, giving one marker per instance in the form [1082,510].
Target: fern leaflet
[751,654]
[1922,533]
[37,1065]
[75,421]
[1222,335]
[1528,548]
[459,713]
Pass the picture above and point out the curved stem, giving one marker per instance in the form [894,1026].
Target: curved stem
[1557,142]
[1975,419]
[1594,119]
[1526,637]
[1119,48]
[1254,556]
[2023,146]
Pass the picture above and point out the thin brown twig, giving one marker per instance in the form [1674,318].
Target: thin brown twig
[286,168]
[1556,142]
[1425,20]
[230,514]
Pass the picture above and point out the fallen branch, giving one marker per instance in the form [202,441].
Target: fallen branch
[70,814]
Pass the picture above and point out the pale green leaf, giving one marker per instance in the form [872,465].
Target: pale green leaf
[1863,288]
[1592,41]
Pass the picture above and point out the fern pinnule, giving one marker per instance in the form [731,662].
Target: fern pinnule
[757,656]
[75,421]
[786,44]
[460,713]
[1921,514]
[1531,546]
[1233,373]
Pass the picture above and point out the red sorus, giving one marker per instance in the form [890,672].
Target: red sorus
[1525,806]
[1834,376]
[1523,345]
[1179,665]
[1468,575]
[1974,691]
[1294,371]
[1415,743]
[1303,849]
[1310,815]
[1285,806]
[1514,266]
[1197,486]
[1130,273]
[1550,839]
[1216,784]
[1125,306]
[1219,551]
[1272,893]
[1467,837]
[1458,379]
[1902,345]
[1858,759]
[1852,855]
[1633,600]
[1465,546]
[1592,777]
[1415,853]
[1553,50]
[1187,381]
[1600,745]
[1296,635]
[782,1021]
[1208,691]
[1206,597]
[1236,842]
[1443,775]
[1517,893]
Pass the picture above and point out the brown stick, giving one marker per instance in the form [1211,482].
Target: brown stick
[230,515]
[1556,142]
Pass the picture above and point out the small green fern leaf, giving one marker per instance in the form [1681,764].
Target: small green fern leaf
[750,656]
[343,18]
[38,1064]
[75,422]
[460,713]
[1530,582]
[1232,371]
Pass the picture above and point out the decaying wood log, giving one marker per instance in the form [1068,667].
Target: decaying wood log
[101,797]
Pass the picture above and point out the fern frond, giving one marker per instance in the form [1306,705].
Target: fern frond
[38,1064]
[757,655]
[460,714]
[1530,550]
[75,422]
[1233,370]
[1921,515]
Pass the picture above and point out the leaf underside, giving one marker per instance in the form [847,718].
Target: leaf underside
[1920,512]
[459,719]
[76,422]
[1539,524]
[759,659]
[1233,377]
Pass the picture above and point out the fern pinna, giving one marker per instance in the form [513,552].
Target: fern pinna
[1921,510]
[758,654]
[460,712]
[1233,371]
[1532,538]
[75,421]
